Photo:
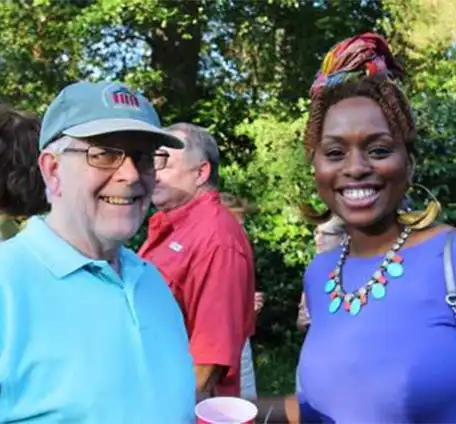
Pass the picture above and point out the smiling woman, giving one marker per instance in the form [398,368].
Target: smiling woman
[355,139]
[379,299]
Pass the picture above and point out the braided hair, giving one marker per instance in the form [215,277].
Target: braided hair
[360,66]
[380,89]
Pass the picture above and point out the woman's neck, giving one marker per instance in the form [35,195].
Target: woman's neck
[368,242]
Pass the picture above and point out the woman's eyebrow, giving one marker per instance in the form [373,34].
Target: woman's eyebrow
[368,139]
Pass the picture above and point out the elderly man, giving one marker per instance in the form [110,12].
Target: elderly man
[91,333]
[204,255]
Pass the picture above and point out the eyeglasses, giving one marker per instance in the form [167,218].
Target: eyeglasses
[113,158]
[329,233]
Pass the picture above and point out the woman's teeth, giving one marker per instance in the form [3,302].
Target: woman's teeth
[359,194]
[115,200]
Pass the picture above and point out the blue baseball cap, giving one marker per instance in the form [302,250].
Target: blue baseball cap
[87,109]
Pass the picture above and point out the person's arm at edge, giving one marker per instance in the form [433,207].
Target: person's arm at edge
[207,376]
[278,410]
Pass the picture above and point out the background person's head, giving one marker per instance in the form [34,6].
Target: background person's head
[190,171]
[329,235]
[235,205]
[360,134]
[22,190]
[98,159]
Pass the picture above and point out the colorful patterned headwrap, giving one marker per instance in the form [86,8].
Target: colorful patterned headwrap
[364,55]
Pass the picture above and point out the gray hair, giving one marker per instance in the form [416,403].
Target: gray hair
[57,146]
[200,142]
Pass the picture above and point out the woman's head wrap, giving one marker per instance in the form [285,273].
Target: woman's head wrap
[363,55]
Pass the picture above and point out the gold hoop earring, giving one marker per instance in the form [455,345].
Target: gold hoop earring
[420,220]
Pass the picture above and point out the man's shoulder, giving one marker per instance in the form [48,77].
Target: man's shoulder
[13,251]
[218,224]
[17,262]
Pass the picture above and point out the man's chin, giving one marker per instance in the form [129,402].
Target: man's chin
[122,232]
[158,203]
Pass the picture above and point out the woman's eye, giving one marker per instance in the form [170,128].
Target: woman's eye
[380,152]
[334,154]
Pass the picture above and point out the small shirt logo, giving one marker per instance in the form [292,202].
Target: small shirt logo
[176,246]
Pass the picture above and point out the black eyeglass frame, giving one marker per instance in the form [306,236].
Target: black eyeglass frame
[329,233]
[123,156]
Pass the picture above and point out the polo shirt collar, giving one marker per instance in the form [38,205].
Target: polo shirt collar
[54,252]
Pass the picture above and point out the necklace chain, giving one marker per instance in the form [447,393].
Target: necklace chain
[391,266]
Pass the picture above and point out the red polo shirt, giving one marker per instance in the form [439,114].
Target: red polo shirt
[206,258]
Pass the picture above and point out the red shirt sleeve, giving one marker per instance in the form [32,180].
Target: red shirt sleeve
[220,302]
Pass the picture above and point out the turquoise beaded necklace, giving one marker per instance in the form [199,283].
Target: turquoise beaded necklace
[391,266]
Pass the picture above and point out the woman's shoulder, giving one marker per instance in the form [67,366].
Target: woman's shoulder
[423,236]
[430,241]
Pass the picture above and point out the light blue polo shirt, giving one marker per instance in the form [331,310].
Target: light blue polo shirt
[79,344]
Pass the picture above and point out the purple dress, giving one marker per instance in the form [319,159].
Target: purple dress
[395,362]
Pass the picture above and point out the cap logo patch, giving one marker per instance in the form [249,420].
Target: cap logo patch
[121,98]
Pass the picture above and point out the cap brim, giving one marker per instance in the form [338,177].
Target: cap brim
[106,126]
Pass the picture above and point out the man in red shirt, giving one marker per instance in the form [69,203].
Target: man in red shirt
[205,256]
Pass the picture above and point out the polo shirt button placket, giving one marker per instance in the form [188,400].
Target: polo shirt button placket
[131,310]
[108,274]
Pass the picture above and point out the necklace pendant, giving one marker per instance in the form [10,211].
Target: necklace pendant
[355,306]
[334,305]
[330,286]
[395,269]
[378,290]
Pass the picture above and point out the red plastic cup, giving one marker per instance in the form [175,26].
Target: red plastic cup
[226,410]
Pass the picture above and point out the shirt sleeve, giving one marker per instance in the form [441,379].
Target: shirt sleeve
[221,307]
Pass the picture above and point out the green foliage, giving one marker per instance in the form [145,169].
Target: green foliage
[277,178]
[275,366]
[242,69]
[437,147]
[39,55]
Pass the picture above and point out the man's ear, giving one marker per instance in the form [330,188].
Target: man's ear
[50,167]
[204,173]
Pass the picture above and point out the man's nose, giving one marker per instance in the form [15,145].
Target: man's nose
[128,171]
